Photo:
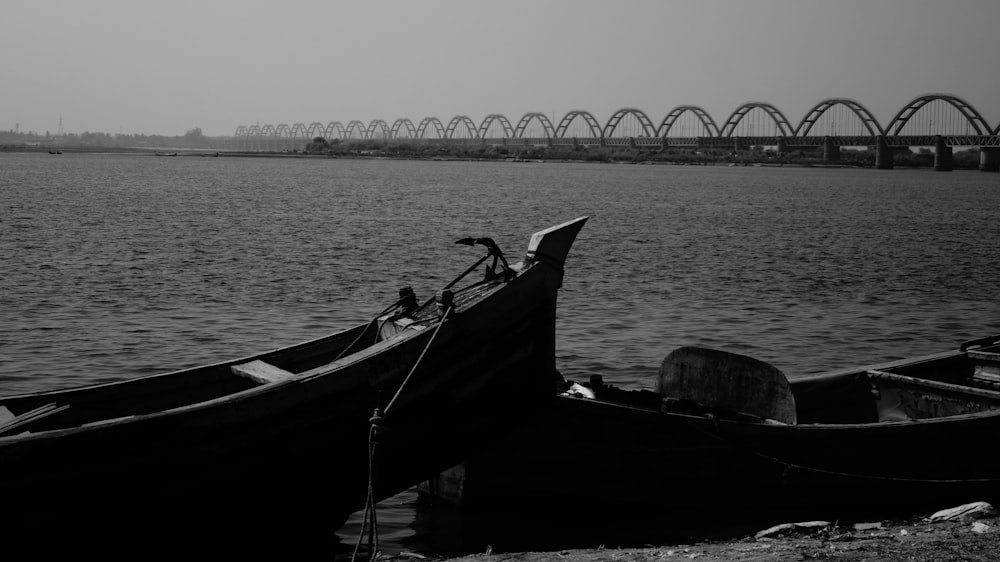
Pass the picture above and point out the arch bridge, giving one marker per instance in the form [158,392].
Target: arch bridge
[939,120]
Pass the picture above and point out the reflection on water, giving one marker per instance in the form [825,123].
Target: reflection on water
[119,266]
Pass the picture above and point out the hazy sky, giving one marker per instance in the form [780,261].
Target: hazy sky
[166,67]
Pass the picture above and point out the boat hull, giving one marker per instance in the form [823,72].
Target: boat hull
[601,458]
[289,461]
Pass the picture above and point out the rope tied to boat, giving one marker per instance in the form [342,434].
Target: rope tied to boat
[406,303]
[378,428]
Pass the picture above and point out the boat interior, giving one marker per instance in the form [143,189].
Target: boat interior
[78,406]
[966,382]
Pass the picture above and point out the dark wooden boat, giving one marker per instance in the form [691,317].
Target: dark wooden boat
[273,450]
[890,438]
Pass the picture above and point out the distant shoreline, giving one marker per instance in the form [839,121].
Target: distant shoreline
[187,153]
[638,157]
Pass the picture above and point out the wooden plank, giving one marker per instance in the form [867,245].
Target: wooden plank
[984,356]
[261,372]
[985,366]
[927,384]
[30,416]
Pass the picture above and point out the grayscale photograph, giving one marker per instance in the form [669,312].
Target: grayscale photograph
[497,281]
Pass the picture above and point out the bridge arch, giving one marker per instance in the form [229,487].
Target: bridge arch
[647,126]
[299,130]
[334,129]
[784,127]
[242,137]
[522,125]
[355,127]
[380,125]
[970,113]
[427,122]
[316,129]
[460,120]
[255,136]
[565,122]
[268,137]
[508,130]
[675,113]
[402,123]
[283,131]
[866,117]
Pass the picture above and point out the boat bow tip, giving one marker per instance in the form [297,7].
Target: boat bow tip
[553,243]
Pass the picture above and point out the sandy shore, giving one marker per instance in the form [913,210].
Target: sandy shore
[916,539]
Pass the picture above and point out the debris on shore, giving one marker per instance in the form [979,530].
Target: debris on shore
[968,532]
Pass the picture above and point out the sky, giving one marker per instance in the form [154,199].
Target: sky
[144,67]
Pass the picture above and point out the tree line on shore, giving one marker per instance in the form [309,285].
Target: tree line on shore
[194,138]
[756,155]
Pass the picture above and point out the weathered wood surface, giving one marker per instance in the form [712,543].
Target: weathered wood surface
[261,372]
[729,381]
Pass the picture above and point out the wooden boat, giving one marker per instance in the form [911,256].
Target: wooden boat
[273,450]
[891,438]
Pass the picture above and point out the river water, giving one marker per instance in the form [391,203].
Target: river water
[118,266]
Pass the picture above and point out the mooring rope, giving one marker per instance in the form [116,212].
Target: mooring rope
[376,430]
[407,299]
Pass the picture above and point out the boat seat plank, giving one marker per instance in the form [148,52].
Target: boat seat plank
[30,416]
[985,367]
[261,371]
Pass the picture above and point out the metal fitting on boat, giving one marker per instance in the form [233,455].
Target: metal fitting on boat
[378,425]
[445,300]
[408,299]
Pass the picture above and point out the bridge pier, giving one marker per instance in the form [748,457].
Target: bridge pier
[831,151]
[942,156]
[883,154]
[989,158]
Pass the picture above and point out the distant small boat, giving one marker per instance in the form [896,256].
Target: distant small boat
[166,154]
[55,152]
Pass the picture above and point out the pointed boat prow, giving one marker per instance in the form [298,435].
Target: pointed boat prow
[552,244]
